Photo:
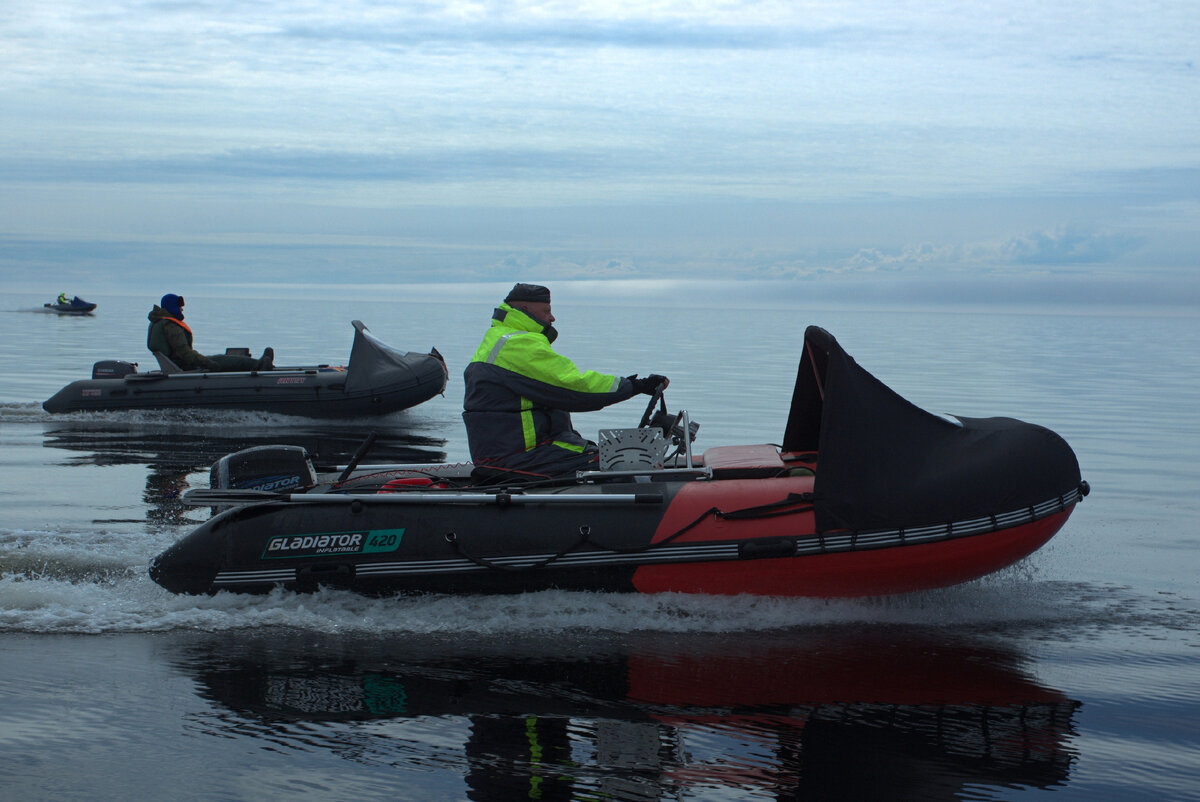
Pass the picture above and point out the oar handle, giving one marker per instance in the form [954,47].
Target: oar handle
[203,497]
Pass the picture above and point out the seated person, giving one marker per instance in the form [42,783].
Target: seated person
[520,394]
[169,335]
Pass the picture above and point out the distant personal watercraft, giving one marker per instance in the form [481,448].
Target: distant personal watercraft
[377,381]
[867,495]
[76,306]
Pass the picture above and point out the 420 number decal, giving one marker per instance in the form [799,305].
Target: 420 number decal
[381,540]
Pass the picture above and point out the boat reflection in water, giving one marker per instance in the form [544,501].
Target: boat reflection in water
[880,712]
[174,449]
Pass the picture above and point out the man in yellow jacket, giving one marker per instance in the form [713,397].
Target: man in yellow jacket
[520,394]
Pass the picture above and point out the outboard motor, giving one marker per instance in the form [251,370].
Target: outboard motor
[269,468]
[112,369]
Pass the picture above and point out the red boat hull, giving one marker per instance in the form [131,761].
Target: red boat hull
[872,572]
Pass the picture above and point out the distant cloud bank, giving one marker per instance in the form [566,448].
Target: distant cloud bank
[408,141]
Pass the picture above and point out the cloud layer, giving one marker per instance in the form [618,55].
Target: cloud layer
[609,138]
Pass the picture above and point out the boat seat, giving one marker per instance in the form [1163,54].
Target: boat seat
[744,462]
[165,364]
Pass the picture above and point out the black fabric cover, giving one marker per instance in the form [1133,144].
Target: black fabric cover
[884,463]
[374,364]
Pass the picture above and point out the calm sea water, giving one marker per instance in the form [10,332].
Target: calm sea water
[1076,673]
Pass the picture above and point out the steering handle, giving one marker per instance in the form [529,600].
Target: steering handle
[655,398]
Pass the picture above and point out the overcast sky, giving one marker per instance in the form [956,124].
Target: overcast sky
[405,141]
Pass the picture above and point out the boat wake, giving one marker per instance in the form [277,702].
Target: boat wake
[200,417]
[71,583]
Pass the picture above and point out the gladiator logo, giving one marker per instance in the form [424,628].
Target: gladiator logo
[273,483]
[374,541]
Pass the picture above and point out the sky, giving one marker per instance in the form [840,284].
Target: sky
[962,147]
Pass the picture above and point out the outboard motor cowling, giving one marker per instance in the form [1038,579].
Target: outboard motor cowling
[112,369]
[270,468]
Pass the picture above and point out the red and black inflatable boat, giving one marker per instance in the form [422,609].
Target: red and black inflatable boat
[866,495]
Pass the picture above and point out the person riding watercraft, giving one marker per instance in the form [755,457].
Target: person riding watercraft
[169,335]
[520,394]
[63,299]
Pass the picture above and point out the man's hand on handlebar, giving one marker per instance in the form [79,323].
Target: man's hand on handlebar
[648,385]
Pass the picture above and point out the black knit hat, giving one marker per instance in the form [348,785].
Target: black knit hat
[529,292]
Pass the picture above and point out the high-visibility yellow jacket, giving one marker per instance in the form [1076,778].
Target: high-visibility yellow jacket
[520,395]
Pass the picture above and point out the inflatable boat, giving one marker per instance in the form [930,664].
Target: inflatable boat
[377,381]
[76,306]
[866,495]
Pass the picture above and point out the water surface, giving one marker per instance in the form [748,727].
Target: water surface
[1076,672]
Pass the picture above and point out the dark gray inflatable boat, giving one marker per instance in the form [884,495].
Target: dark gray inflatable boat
[378,380]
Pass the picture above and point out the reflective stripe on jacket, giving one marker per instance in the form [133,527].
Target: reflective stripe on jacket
[520,394]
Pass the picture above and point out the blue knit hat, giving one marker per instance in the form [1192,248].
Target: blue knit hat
[173,304]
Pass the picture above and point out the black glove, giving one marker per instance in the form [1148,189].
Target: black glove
[648,385]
